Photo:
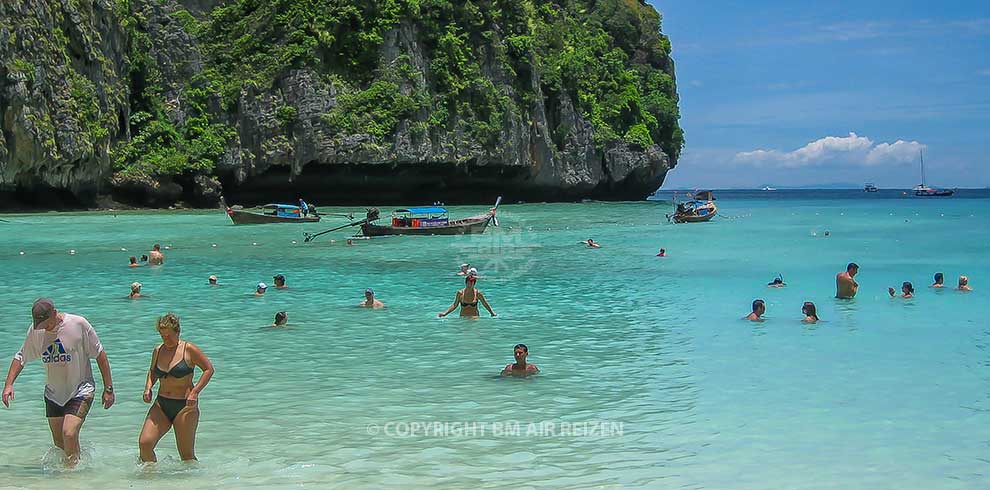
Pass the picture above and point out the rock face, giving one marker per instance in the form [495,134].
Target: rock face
[137,99]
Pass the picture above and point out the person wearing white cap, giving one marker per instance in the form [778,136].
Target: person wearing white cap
[66,344]
[135,290]
[370,301]
[464,270]
[262,287]
[213,281]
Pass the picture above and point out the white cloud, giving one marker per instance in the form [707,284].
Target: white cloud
[853,149]
[899,152]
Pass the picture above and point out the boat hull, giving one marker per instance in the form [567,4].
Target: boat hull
[941,193]
[693,218]
[240,217]
[467,226]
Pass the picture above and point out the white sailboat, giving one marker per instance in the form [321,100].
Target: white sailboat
[923,190]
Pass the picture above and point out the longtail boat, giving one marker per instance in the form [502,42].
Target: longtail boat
[271,213]
[429,220]
[699,210]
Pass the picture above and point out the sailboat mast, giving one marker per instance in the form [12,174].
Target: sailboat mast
[922,153]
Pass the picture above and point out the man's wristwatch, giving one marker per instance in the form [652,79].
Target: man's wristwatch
[108,389]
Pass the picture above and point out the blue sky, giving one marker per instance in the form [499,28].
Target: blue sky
[799,93]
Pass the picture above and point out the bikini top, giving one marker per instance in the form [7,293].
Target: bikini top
[180,370]
[463,303]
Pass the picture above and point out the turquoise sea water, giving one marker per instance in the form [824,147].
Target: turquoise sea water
[650,378]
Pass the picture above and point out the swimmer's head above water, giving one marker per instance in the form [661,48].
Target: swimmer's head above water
[280,319]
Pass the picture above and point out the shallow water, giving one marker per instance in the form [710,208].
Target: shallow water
[650,378]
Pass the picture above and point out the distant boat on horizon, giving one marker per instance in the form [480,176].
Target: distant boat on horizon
[923,190]
[768,188]
[869,187]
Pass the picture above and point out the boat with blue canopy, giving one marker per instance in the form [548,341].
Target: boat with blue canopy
[272,213]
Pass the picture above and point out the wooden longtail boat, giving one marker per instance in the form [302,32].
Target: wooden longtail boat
[430,220]
[271,213]
[701,209]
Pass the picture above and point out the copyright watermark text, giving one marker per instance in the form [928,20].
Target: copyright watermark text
[512,428]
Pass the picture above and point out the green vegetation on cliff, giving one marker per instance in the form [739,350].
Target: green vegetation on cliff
[607,55]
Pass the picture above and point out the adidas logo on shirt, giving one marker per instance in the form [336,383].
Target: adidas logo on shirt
[55,353]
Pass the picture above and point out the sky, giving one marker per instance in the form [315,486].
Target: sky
[802,93]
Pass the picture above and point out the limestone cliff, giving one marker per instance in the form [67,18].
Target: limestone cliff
[155,101]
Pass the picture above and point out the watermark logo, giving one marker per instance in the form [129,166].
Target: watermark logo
[501,253]
[511,428]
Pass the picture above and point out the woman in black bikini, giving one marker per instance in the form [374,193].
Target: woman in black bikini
[172,363]
[468,299]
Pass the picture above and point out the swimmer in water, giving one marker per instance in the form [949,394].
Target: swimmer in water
[964,284]
[279,281]
[260,290]
[663,253]
[520,367]
[281,318]
[592,244]
[370,301]
[777,282]
[845,282]
[759,308]
[810,312]
[177,405]
[350,242]
[155,256]
[939,281]
[464,270]
[135,291]
[907,290]
[134,262]
[468,299]
[213,281]
[826,233]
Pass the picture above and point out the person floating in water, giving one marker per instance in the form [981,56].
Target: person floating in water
[213,281]
[777,282]
[464,269]
[155,256]
[66,344]
[144,258]
[262,287]
[134,262]
[279,280]
[907,290]
[810,312]
[135,291]
[370,301]
[759,308]
[663,253]
[964,284]
[520,367]
[177,405]
[468,299]
[592,244]
[281,318]
[939,281]
[845,282]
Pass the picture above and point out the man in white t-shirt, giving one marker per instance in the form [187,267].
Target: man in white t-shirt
[65,343]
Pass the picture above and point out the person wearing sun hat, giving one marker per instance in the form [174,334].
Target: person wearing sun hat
[262,287]
[279,281]
[135,290]
[213,280]
[66,344]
